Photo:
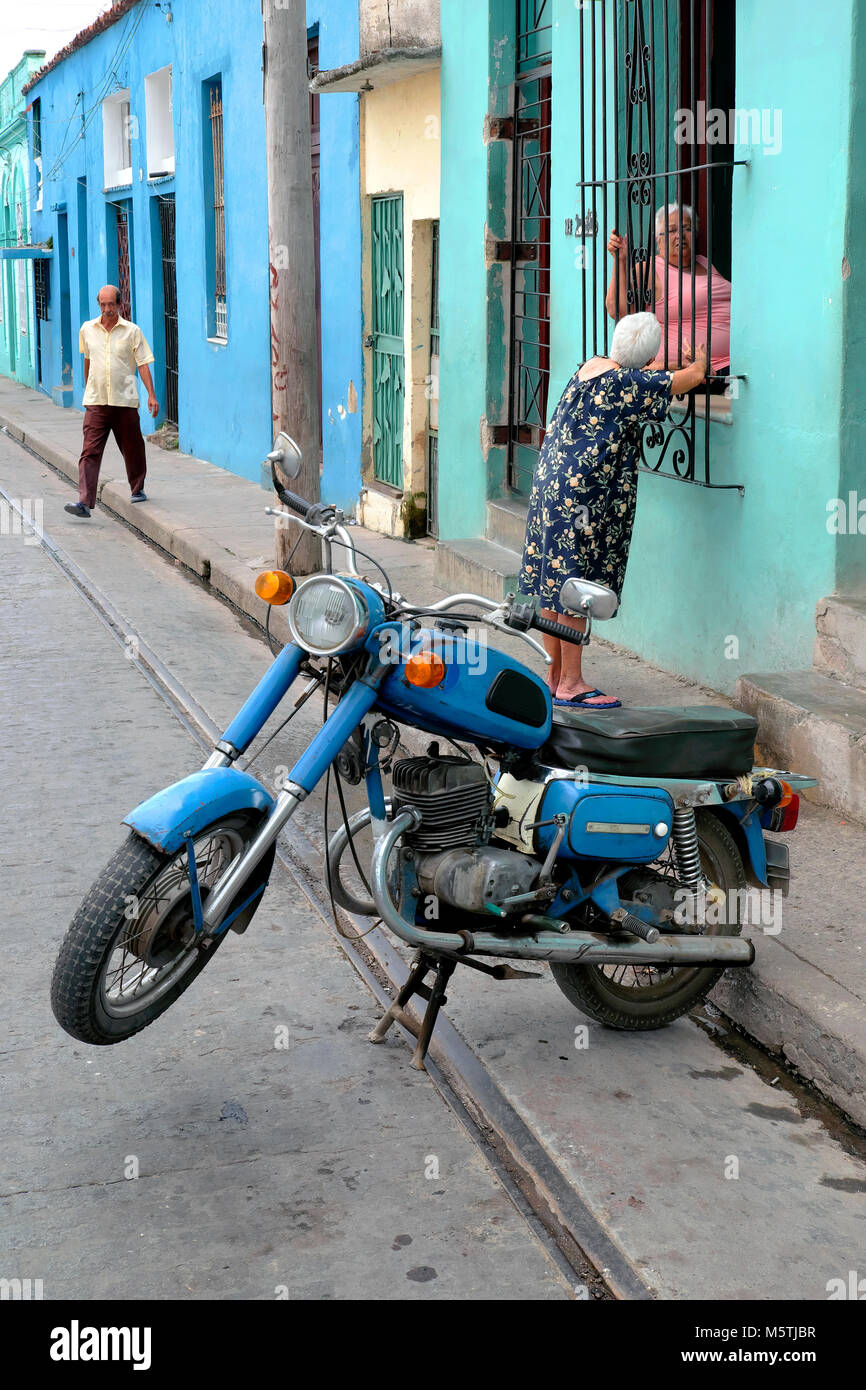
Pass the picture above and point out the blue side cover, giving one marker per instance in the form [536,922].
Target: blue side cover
[194,803]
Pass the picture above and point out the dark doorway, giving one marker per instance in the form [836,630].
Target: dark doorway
[169,300]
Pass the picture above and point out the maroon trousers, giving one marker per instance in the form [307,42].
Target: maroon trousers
[99,422]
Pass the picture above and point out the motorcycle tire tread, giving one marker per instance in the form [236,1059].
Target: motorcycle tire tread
[90,935]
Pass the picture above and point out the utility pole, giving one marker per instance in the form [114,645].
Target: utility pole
[292,258]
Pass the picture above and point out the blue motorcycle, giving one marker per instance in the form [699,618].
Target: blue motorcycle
[623,846]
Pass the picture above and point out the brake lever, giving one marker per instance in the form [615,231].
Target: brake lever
[496,619]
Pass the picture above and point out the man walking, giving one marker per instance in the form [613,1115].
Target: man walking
[114,349]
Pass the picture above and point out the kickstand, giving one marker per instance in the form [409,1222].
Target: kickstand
[444,966]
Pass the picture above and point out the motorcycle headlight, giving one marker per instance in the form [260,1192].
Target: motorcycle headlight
[327,616]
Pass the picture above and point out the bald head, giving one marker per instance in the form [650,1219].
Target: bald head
[108,300]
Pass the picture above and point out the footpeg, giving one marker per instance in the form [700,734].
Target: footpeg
[625,921]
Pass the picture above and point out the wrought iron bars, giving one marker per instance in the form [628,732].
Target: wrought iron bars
[169,296]
[530,243]
[646,72]
[219,212]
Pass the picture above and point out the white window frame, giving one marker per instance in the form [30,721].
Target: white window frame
[118,132]
[158,111]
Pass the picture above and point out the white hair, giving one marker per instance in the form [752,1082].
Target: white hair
[664,213]
[636,340]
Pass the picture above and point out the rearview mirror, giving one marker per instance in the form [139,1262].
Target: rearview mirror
[585,599]
[286,457]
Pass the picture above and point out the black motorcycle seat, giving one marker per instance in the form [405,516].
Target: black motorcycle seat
[690,741]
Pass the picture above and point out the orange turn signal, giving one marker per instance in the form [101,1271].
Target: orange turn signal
[787,793]
[425,669]
[275,587]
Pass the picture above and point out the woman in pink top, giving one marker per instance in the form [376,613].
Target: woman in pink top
[675,249]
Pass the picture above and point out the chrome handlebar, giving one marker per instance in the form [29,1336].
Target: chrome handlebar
[493,616]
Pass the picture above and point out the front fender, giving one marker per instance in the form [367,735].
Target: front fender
[194,803]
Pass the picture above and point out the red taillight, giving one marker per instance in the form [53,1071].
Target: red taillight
[785,817]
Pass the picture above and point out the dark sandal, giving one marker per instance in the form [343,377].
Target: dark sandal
[580,701]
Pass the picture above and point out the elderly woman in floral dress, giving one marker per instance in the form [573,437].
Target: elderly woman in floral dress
[582,504]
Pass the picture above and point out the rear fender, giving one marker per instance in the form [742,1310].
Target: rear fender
[188,806]
[741,819]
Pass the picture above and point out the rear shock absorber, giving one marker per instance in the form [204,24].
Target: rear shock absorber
[686,852]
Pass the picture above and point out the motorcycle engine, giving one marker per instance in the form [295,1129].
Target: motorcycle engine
[452,855]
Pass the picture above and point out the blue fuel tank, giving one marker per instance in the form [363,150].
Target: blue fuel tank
[484,696]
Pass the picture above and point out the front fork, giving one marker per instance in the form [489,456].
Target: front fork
[307,771]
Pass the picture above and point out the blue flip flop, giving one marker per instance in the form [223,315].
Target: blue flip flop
[579,701]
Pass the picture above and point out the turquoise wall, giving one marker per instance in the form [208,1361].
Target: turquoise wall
[851,559]
[705,565]
[463,278]
[17,349]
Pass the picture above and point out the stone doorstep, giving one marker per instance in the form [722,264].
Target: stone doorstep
[479,566]
[816,725]
[840,644]
[506,524]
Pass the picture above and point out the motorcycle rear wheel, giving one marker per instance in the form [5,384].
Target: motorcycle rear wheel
[131,949]
[644,997]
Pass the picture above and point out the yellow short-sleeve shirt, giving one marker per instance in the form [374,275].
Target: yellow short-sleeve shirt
[114,359]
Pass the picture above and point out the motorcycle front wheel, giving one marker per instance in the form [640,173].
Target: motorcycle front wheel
[640,997]
[131,949]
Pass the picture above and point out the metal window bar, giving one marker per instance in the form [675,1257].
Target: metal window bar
[433,428]
[40,287]
[124,279]
[37,129]
[530,236]
[643,64]
[169,291]
[216,125]
[534,33]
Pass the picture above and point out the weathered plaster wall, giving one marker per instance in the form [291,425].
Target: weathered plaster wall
[398,24]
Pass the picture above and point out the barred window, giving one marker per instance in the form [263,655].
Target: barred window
[217,181]
[656,168]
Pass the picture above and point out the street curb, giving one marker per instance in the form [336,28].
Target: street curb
[779,1014]
[773,1002]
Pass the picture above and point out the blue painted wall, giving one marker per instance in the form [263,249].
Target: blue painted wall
[340,238]
[224,389]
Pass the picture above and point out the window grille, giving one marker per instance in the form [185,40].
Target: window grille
[530,239]
[40,286]
[167,226]
[37,128]
[219,218]
[650,70]
[124,278]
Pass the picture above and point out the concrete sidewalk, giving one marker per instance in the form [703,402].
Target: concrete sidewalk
[805,997]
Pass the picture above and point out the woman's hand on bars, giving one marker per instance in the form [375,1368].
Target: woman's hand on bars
[687,378]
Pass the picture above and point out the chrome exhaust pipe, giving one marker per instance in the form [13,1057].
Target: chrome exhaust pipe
[548,940]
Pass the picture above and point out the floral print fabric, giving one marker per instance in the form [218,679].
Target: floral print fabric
[582,503]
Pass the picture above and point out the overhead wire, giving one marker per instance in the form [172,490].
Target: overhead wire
[134,22]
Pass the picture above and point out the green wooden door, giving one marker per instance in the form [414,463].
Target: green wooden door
[388,356]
